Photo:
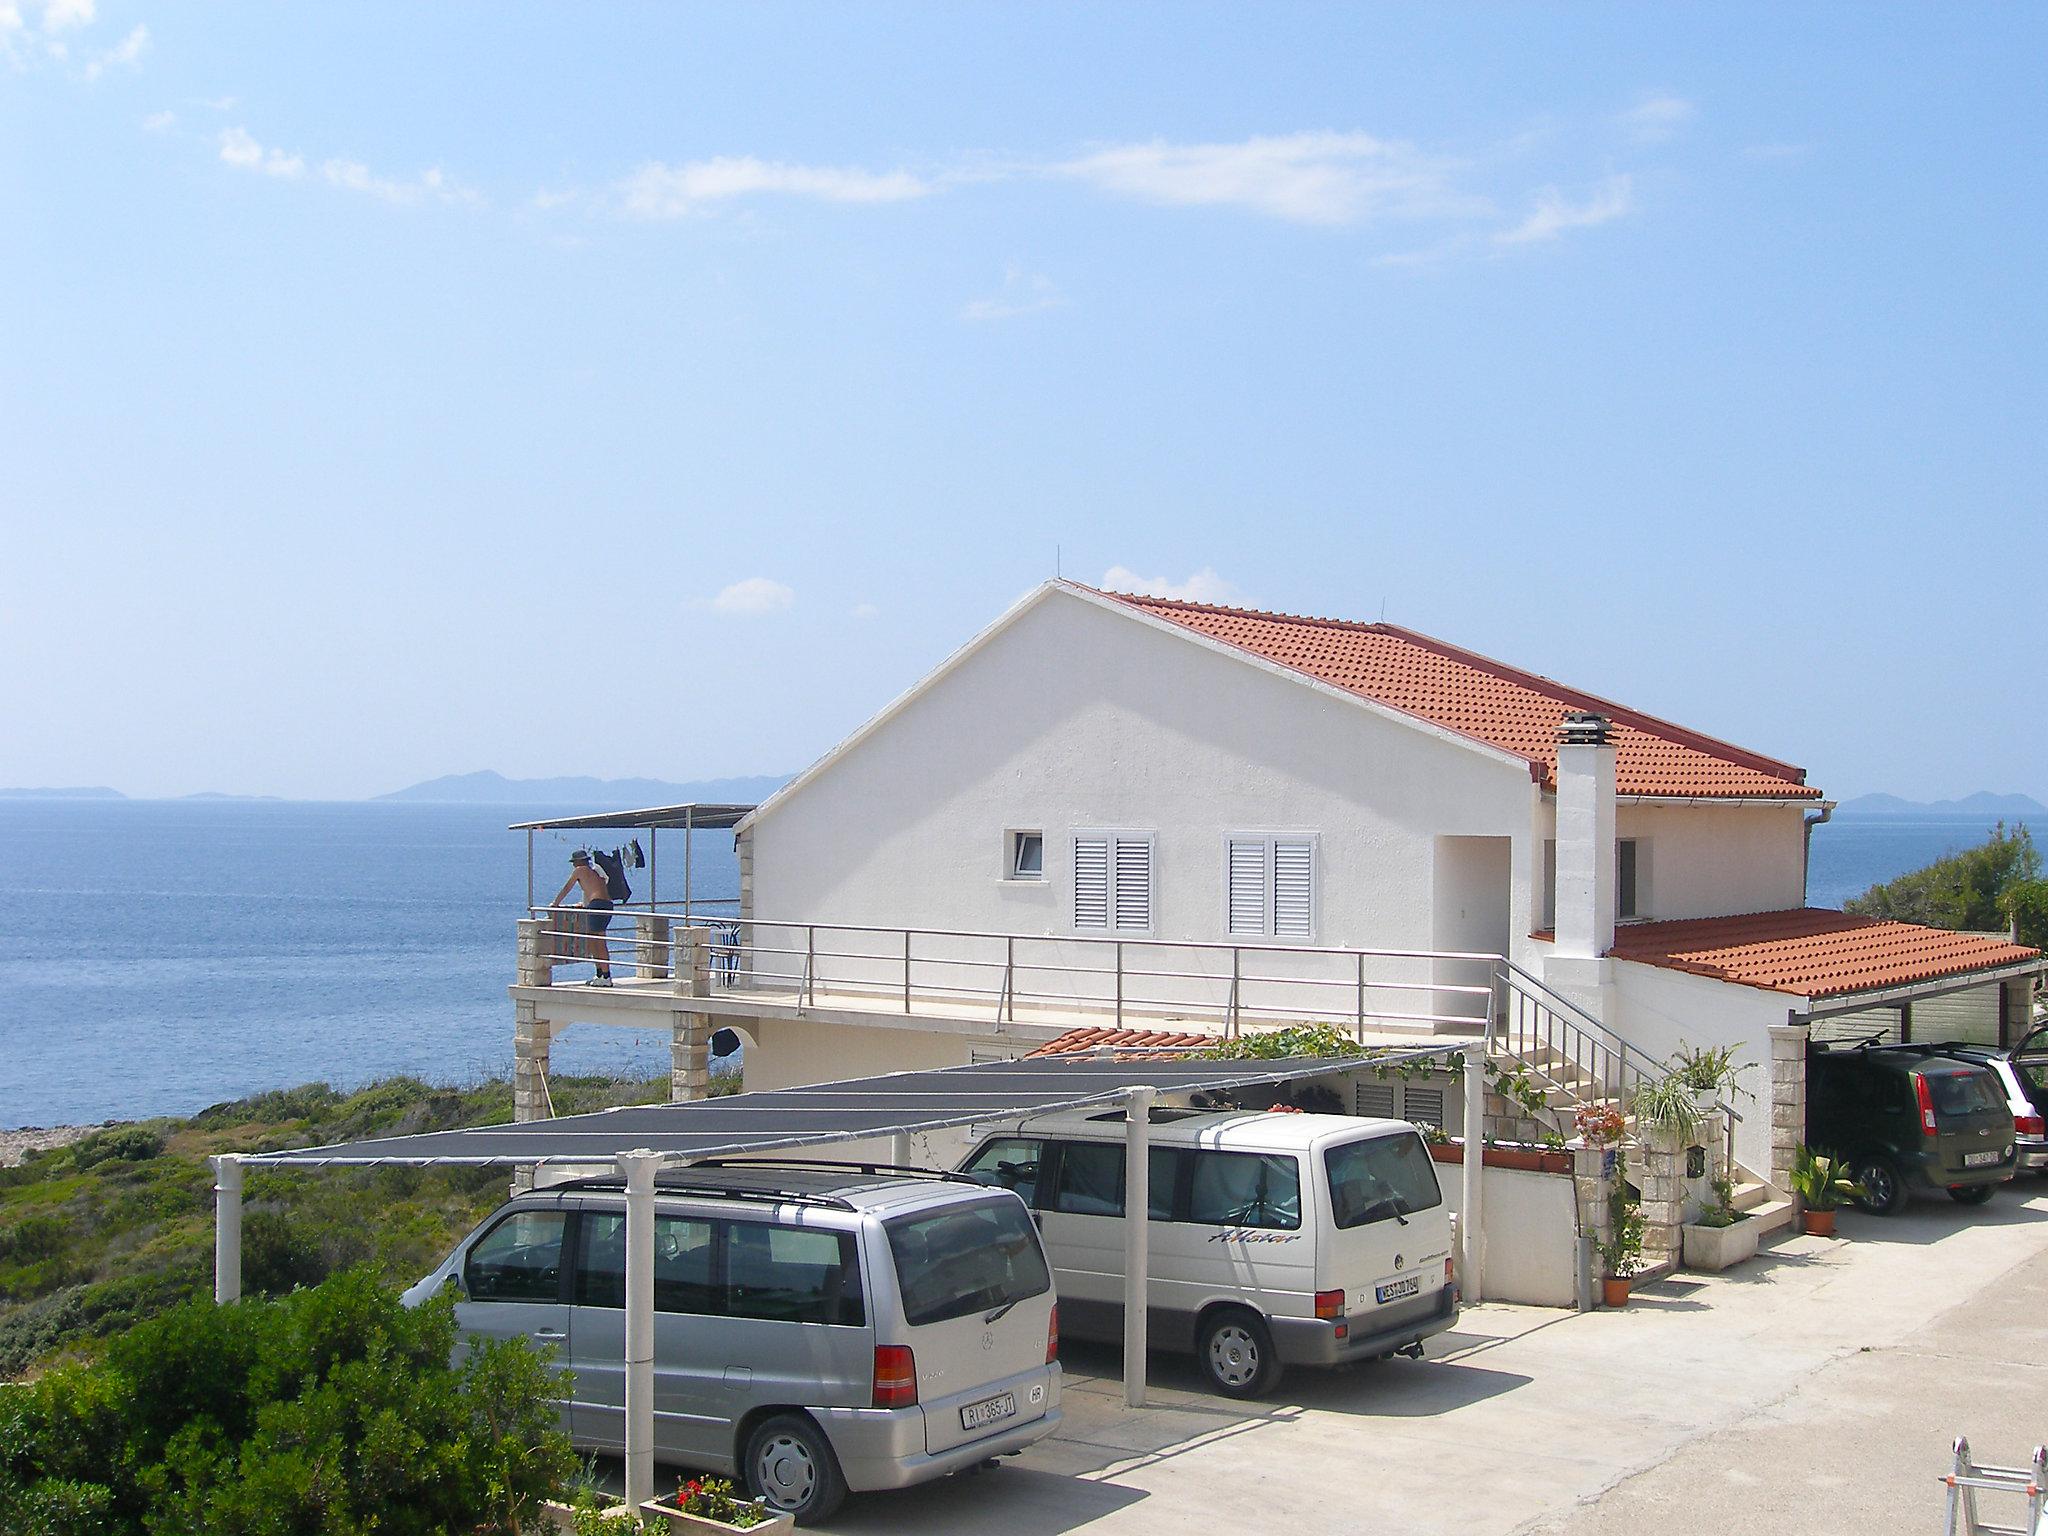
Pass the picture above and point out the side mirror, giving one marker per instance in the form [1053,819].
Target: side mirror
[453,1282]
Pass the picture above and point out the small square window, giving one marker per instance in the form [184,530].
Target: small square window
[1026,856]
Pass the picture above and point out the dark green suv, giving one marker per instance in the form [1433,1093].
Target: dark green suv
[1908,1117]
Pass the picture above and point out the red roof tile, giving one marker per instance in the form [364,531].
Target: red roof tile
[1095,1038]
[1813,952]
[1515,711]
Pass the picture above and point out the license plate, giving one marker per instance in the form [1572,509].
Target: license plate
[1397,1290]
[989,1410]
[1981,1159]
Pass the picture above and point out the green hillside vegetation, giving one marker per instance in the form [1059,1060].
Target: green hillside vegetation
[1993,886]
[118,1227]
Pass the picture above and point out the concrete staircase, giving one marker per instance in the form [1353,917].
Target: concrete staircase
[1772,1211]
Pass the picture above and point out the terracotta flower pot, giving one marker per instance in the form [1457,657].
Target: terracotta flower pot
[1818,1223]
[1613,1292]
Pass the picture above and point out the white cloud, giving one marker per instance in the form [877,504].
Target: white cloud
[238,147]
[66,15]
[865,611]
[661,191]
[1024,293]
[1656,118]
[1305,178]
[125,54]
[160,122]
[1205,586]
[755,595]
[1554,213]
[354,176]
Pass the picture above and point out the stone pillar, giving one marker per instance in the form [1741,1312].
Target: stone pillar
[692,974]
[536,958]
[532,1037]
[1593,1173]
[743,851]
[689,1055]
[1788,1100]
[650,946]
[1662,1181]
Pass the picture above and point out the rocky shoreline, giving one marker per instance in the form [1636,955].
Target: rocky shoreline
[15,1145]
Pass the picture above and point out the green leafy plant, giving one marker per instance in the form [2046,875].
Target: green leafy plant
[1821,1182]
[1274,1044]
[713,1498]
[1621,1251]
[1600,1125]
[1665,1104]
[607,1517]
[1435,1135]
[1709,1068]
[1722,1212]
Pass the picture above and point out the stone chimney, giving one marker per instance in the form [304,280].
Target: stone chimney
[1585,837]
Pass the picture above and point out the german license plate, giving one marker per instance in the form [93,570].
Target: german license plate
[989,1410]
[1397,1290]
[1980,1159]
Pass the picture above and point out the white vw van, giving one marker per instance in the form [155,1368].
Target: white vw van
[1277,1238]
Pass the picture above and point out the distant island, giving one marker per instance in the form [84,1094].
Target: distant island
[1982,803]
[489,788]
[89,792]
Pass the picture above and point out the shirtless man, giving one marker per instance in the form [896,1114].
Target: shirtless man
[596,917]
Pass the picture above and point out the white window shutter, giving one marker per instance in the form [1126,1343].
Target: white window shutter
[1133,884]
[1294,882]
[1248,882]
[1091,882]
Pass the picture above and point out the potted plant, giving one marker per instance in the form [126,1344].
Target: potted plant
[1723,1236]
[1821,1185]
[1667,1104]
[1709,1072]
[593,1515]
[710,1504]
[1621,1251]
[1600,1125]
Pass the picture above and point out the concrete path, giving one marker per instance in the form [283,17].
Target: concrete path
[1814,1390]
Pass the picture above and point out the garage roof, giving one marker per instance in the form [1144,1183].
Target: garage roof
[783,1118]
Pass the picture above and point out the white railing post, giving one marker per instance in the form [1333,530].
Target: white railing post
[1361,996]
[1471,1217]
[1137,1238]
[810,963]
[1010,977]
[227,1228]
[1120,995]
[906,970]
[638,1169]
[1236,981]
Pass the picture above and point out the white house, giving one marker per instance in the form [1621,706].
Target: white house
[1128,811]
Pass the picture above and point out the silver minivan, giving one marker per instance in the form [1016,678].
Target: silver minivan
[819,1328]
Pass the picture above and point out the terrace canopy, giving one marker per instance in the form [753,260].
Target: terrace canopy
[639,1140]
[693,816]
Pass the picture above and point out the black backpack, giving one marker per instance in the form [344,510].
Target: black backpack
[614,869]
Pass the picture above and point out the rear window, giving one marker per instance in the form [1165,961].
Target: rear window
[1964,1091]
[1379,1178]
[966,1258]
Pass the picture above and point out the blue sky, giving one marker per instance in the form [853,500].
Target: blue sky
[394,390]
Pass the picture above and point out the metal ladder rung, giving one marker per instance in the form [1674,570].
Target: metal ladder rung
[1968,1477]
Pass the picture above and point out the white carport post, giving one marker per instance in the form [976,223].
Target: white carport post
[227,1228]
[638,1169]
[1471,1228]
[1137,1237]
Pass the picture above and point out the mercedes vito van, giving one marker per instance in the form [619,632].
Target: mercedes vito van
[1276,1239]
[818,1327]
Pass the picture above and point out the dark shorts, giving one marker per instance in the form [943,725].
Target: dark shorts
[597,915]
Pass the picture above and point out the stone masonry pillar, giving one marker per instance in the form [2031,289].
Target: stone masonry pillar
[1663,1185]
[650,946]
[532,1035]
[689,1054]
[1788,1100]
[1593,1173]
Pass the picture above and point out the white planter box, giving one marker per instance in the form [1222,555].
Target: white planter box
[1713,1248]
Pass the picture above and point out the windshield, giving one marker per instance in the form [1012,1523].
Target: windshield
[966,1258]
[1383,1177]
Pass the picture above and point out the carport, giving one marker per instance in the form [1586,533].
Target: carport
[640,1140]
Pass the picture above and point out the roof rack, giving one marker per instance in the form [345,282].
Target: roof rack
[831,1165]
[759,1196]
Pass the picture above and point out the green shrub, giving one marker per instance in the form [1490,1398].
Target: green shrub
[127,1144]
[330,1412]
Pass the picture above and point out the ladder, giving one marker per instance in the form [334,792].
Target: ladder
[1969,1477]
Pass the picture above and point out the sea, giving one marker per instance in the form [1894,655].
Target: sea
[157,957]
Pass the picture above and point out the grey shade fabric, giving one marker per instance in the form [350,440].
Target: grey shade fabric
[704,818]
[784,1118]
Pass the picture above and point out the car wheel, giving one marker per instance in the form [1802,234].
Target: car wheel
[1973,1194]
[1883,1190]
[1237,1354]
[789,1463]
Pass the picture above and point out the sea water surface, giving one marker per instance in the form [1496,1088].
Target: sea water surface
[160,956]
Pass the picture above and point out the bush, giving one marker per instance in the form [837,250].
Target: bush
[127,1144]
[1966,891]
[331,1412]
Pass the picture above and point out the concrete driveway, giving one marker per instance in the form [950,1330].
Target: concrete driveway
[1815,1389]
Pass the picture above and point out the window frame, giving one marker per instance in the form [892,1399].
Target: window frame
[1111,836]
[565,1258]
[1013,845]
[1271,842]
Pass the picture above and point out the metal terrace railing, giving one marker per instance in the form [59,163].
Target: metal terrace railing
[1005,976]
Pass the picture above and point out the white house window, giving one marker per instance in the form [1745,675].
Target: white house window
[1024,857]
[1270,886]
[1113,882]
[1628,879]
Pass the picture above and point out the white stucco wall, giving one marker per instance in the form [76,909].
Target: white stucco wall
[1075,717]
[1713,861]
[1532,1234]
[1658,1010]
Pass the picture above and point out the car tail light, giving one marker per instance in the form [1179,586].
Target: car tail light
[2029,1125]
[895,1376]
[1052,1335]
[1329,1305]
[1926,1098]
[1449,1277]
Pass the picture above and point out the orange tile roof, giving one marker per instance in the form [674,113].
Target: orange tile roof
[1813,952]
[1095,1038]
[1515,711]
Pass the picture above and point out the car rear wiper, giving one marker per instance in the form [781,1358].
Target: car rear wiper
[1002,1311]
